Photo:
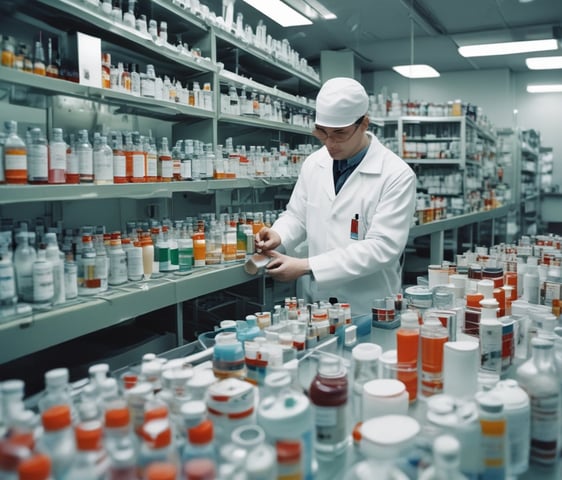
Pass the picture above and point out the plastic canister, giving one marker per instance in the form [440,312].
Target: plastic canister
[288,421]
[518,413]
[230,403]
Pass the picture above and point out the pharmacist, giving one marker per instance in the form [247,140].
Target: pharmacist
[352,205]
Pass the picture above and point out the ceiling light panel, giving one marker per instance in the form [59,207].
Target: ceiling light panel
[508,48]
[544,63]
[551,88]
[279,12]
[416,71]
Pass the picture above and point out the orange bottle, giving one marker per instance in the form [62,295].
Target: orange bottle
[407,350]
[433,338]
[199,249]
[15,155]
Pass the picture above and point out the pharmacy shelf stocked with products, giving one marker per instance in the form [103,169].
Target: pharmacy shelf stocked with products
[34,330]
[164,66]
[437,228]
[454,159]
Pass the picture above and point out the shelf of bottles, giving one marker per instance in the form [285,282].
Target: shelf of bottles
[453,158]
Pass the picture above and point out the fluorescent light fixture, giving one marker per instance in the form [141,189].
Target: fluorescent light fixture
[552,88]
[544,63]
[416,71]
[508,48]
[322,10]
[279,12]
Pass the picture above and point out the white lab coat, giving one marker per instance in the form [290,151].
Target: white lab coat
[382,192]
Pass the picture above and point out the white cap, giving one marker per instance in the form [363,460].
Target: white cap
[341,102]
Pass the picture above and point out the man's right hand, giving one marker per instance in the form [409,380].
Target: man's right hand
[267,239]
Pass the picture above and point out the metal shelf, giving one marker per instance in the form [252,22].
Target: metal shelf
[43,329]
[10,194]
[260,123]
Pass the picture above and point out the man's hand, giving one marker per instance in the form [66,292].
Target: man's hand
[286,268]
[267,239]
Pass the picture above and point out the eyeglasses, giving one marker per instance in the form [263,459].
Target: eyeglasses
[339,135]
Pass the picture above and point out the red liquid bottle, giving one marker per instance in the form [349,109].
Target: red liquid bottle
[433,338]
[328,394]
[407,349]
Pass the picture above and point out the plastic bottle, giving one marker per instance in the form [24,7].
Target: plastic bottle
[15,155]
[119,159]
[102,161]
[85,155]
[90,461]
[407,350]
[228,356]
[151,156]
[11,395]
[383,440]
[165,164]
[117,261]
[57,157]
[537,376]
[364,367]
[37,158]
[200,443]
[57,390]
[8,292]
[88,281]
[329,394]
[433,338]
[43,280]
[36,467]
[147,255]
[490,335]
[287,418]
[135,268]
[72,164]
[446,460]
[157,444]
[518,414]
[120,443]
[57,440]
[494,435]
[56,257]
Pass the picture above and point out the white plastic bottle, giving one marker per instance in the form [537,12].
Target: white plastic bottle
[90,461]
[85,157]
[383,440]
[24,256]
[518,413]
[57,440]
[37,158]
[43,280]
[537,376]
[493,425]
[120,444]
[117,261]
[135,270]
[8,293]
[446,460]
[56,257]
[57,390]
[102,161]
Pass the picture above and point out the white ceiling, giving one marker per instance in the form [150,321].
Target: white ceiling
[379,31]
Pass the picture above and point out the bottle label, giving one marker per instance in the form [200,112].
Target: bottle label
[7,282]
[544,428]
[103,166]
[86,162]
[15,162]
[186,170]
[151,165]
[135,267]
[57,158]
[138,166]
[330,424]
[43,283]
[119,162]
[72,166]
[167,168]
[117,268]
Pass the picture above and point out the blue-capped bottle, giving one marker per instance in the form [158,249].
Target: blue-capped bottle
[228,356]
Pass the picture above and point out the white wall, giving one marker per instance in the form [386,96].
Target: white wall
[499,92]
